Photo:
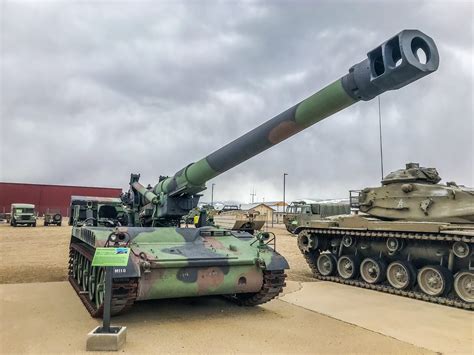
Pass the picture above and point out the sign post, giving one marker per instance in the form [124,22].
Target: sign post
[107,338]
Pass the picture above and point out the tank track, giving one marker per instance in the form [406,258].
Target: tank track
[124,291]
[273,283]
[311,257]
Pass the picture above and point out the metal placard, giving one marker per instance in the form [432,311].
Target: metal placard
[111,257]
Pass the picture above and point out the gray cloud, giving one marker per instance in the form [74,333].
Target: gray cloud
[96,90]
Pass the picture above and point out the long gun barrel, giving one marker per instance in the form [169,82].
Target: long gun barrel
[390,66]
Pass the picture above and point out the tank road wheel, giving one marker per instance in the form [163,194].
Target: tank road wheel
[75,264]
[464,285]
[401,275]
[92,282]
[85,274]
[435,280]
[100,287]
[326,264]
[372,270]
[348,266]
[80,269]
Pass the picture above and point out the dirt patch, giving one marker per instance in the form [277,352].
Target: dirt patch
[34,254]
[287,246]
[41,254]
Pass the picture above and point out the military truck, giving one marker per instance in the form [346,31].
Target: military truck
[167,261]
[301,213]
[53,216]
[412,237]
[97,211]
[23,214]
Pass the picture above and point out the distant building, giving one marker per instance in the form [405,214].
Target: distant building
[272,209]
[46,197]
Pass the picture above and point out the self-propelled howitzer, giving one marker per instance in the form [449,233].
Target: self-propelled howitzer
[167,261]
[389,66]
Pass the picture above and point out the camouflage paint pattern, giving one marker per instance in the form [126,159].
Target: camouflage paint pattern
[183,262]
[178,262]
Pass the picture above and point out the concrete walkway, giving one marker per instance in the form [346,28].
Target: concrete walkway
[435,327]
[49,318]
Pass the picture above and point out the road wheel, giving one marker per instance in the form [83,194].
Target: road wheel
[464,285]
[372,270]
[85,274]
[75,264]
[100,287]
[435,280]
[80,269]
[348,266]
[401,275]
[92,282]
[326,264]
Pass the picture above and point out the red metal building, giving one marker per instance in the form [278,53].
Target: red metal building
[48,196]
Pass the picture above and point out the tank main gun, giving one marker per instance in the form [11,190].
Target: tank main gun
[393,64]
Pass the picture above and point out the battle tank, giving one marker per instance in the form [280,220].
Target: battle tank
[167,261]
[412,237]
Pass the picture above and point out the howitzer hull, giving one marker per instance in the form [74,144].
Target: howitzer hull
[177,262]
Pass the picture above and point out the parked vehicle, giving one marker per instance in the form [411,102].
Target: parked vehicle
[23,214]
[53,216]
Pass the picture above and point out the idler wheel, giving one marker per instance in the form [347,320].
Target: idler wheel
[464,285]
[326,264]
[401,275]
[435,280]
[348,266]
[373,270]
[307,242]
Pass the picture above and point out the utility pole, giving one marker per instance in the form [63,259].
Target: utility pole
[253,194]
[284,187]
[380,137]
[212,194]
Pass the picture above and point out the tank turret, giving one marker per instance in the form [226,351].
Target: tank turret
[414,194]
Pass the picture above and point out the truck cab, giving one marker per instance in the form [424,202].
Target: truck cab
[23,214]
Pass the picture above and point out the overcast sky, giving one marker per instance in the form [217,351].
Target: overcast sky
[93,91]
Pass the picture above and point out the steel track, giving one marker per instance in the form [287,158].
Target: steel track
[311,257]
[124,291]
[273,283]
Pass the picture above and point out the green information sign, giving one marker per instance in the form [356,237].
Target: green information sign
[111,257]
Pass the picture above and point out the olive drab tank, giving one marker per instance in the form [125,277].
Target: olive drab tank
[167,261]
[412,236]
